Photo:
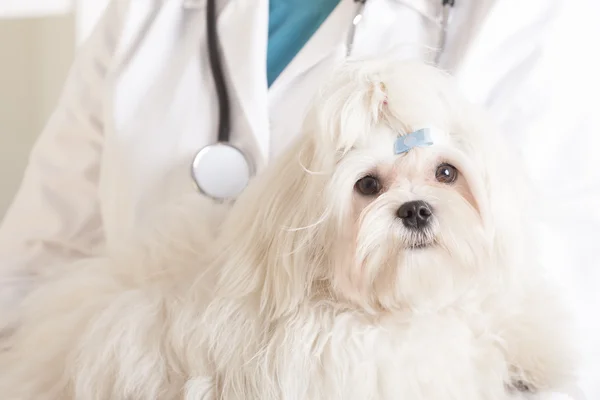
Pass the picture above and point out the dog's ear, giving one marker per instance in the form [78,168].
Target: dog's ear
[503,187]
[270,231]
[274,234]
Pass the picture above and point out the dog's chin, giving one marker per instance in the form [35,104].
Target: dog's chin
[420,242]
[419,246]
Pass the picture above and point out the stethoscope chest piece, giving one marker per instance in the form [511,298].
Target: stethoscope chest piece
[221,171]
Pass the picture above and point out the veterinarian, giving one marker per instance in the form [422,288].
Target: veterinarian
[141,101]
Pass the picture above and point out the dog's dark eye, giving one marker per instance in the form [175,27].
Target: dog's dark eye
[368,186]
[446,173]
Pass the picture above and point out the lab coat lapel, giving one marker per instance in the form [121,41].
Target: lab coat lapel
[329,38]
[243,33]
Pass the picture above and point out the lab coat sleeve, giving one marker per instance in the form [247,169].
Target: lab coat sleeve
[55,215]
[537,72]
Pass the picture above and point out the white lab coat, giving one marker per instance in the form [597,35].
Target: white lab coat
[140,101]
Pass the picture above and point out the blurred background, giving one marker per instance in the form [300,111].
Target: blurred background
[37,41]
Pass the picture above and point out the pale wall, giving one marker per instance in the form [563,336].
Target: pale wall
[35,55]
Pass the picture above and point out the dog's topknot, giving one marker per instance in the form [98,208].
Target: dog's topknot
[361,94]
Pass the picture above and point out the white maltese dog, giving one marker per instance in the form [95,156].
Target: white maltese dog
[385,255]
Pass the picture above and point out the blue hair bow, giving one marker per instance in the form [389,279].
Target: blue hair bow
[419,138]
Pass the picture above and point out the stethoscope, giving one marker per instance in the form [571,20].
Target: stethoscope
[221,170]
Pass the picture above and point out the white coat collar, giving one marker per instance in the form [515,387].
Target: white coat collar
[243,33]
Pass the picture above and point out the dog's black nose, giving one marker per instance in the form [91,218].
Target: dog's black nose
[415,214]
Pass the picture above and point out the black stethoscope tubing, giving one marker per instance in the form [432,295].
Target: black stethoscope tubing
[216,67]
[220,170]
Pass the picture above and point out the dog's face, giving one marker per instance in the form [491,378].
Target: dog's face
[405,229]
[343,217]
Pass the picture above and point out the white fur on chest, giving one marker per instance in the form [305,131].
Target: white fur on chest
[318,355]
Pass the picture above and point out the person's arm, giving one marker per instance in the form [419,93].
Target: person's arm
[55,215]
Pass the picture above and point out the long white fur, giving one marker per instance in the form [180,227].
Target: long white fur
[308,290]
